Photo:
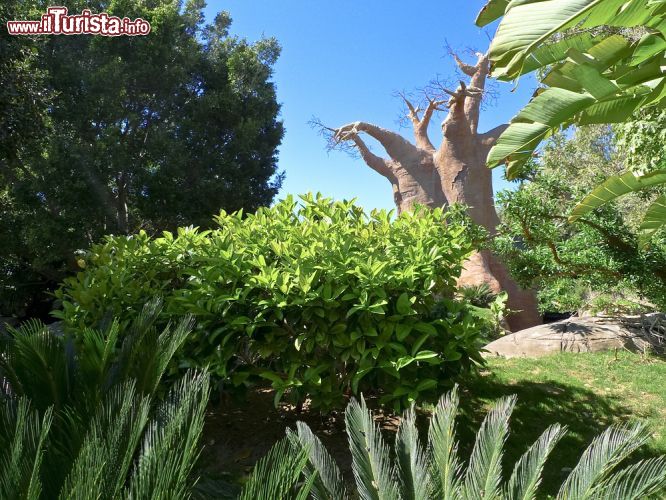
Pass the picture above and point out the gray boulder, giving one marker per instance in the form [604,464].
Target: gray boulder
[587,334]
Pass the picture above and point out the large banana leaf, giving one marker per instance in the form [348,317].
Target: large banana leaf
[590,78]
[613,188]
[581,91]
[654,218]
[528,24]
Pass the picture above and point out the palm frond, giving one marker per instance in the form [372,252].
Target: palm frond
[276,475]
[170,447]
[443,447]
[412,462]
[484,472]
[23,439]
[102,463]
[145,353]
[640,480]
[526,475]
[374,474]
[95,355]
[33,364]
[328,483]
[600,458]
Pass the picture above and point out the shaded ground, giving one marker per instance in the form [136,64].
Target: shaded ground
[586,392]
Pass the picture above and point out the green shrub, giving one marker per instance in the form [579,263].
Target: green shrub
[318,298]
[478,295]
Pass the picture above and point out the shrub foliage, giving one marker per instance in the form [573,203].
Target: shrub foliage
[315,297]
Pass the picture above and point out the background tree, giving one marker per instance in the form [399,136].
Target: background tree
[452,172]
[597,261]
[149,132]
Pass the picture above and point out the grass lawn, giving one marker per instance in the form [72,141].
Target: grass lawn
[586,392]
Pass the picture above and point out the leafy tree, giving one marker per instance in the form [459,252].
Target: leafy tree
[24,98]
[146,132]
[643,142]
[599,252]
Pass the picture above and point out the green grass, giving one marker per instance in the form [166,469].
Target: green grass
[586,392]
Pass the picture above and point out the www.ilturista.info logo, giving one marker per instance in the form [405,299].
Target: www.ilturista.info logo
[57,22]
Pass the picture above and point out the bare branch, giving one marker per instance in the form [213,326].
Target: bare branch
[412,111]
[332,143]
[346,139]
[378,164]
[421,113]
[433,105]
[468,69]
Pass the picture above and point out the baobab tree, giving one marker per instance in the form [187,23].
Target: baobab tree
[453,172]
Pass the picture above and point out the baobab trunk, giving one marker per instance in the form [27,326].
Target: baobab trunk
[461,163]
[453,172]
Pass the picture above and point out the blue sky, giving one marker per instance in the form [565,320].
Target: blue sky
[343,61]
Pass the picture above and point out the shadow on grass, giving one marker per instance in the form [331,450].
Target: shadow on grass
[239,433]
[540,404]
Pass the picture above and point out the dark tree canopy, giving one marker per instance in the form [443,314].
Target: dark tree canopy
[113,134]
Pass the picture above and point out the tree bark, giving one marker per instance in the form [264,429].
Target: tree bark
[454,172]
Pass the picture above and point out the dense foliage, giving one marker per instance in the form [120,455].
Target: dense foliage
[318,298]
[107,135]
[411,471]
[642,141]
[600,254]
[599,61]
[84,418]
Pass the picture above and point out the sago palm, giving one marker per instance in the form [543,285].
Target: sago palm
[412,471]
[80,417]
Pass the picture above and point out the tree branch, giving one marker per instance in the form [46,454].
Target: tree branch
[489,138]
[378,164]
[478,83]
[468,69]
[456,104]
[574,270]
[413,112]
[421,123]
[394,144]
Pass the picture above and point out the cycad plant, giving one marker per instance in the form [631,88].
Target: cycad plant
[412,471]
[83,418]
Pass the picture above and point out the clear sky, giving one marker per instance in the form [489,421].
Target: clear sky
[343,61]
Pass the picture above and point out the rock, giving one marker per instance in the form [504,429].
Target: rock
[57,328]
[6,321]
[588,334]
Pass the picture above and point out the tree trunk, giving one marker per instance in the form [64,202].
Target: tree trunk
[454,172]
[123,216]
